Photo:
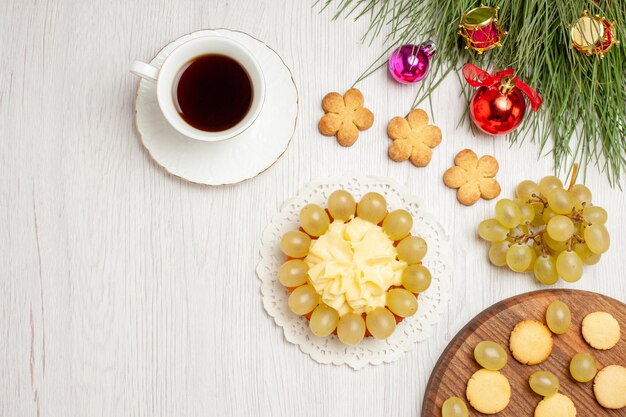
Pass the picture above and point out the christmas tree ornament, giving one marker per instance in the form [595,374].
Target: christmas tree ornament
[481,29]
[593,35]
[409,63]
[498,107]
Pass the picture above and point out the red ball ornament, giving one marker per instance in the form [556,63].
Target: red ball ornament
[498,106]
[498,110]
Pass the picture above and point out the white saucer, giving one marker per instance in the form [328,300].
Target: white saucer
[236,159]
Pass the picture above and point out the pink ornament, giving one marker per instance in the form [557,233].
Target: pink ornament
[409,64]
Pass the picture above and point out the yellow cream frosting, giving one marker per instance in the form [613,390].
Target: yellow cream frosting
[353,265]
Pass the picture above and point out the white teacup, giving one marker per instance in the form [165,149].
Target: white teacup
[165,79]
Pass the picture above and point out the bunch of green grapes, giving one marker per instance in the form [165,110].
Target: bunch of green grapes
[548,230]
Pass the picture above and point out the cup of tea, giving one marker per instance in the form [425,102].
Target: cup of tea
[209,88]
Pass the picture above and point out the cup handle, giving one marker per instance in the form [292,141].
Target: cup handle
[145,71]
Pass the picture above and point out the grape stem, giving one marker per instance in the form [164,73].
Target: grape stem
[537,236]
[570,242]
[572,179]
[576,216]
[538,199]
[542,245]
[537,233]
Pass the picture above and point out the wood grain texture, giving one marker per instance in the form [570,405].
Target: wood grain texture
[456,365]
[125,291]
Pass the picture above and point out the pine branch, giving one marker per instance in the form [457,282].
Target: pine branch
[583,118]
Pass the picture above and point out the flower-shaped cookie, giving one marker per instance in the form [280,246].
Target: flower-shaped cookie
[413,138]
[345,116]
[473,177]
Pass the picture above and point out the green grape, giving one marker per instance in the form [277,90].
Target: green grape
[412,249]
[508,213]
[497,253]
[314,220]
[380,322]
[324,320]
[581,196]
[526,189]
[519,257]
[560,228]
[303,300]
[545,270]
[588,257]
[295,244]
[595,214]
[583,367]
[372,207]
[490,355]
[533,259]
[527,210]
[560,201]
[416,278]
[517,232]
[538,219]
[351,328]
[553,244]
[558,317]
[293,273]
[454,407]
[398,224]
[547,214]
[544,383]
[569,266]
[597,238]
[548,184]
[341,205]
[492,231]
[401,302]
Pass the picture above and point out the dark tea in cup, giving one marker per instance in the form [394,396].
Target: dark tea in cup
[209,88]
[213,92]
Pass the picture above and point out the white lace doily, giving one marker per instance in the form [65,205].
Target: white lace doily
[370,351]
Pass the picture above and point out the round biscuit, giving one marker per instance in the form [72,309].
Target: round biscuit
[601,330]
[530,342]
[557,405]
[488,392]
[609,387]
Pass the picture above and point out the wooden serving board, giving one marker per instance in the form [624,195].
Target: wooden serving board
[457,364]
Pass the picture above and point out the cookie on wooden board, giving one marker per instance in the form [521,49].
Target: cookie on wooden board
[609,387]
[530,342]
[601,330]
[557,405]
[489,392]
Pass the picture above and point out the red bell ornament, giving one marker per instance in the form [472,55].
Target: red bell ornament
[498,107]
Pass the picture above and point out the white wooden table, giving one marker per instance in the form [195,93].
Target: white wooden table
[128,292]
